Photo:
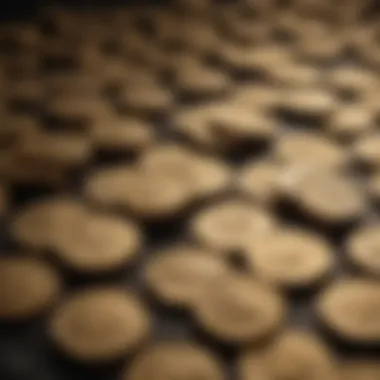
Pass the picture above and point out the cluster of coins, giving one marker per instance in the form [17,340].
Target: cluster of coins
[224,158]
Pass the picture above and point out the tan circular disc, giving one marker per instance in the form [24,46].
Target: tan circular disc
[256,96]
[320,48]
[259,180]
[351,78]
[27,287]
[178,275]
[64,149]
[351,121]
[351,308]
[193,78]
[98,243]
[105,186]
[126,134]
[175,360]
[155,194]
[143,97]
[330,198]
[308,101]
[100,324]
[292,258]
[235,123]
[360,369]
[239,310]
[310,150]
[295,354]
[231,225]
[363,248]
[204,175]
[77,109]
[38,225]
[294,74]
[367,150]
[147,192]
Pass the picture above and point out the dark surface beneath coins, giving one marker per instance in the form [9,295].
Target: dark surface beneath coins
[25,351]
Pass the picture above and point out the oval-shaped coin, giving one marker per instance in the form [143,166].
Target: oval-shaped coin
[99,325]
[178,275]
[351,309]
[27,287]
[178,360]
[237,309]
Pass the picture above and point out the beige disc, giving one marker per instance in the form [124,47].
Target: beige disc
[99,325]
[27,287]
[308,101]
[148,98]
[295,354]
[98,243]
[125,134]
[179,275]
[38,225]
[65,149]
[204,175]
[310,150]
[351,308]
[351,121]
[175,360]
[106,186]
[292,258]
[239,310]
[194,78]
[330,198]
[363,248]
[351,78]
[231,225]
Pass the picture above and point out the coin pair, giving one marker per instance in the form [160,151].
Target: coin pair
[85,241]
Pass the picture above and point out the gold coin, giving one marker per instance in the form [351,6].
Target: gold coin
[330,198]
[27,287]
[97,242]
[193,78]
[204,175]
[63,149]
[149,194]
[231,225]
[310,150]
[310,102]
[178,275]
[124,134]
[38,225]
[238,309]
[100,325]
[351,121]
[350,308]
[177,360]
[292,258]
[142,97]
[295,354]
